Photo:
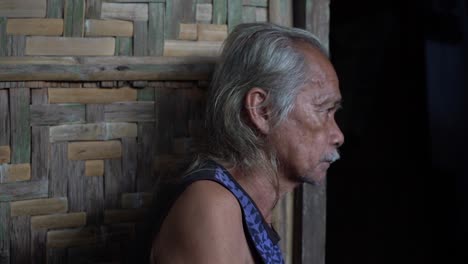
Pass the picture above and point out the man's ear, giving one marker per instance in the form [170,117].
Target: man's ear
[256,109]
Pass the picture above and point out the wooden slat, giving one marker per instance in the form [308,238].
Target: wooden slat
[219,12]
[38,60]
[94,113]
[35,26]
[5,154]
[58,168]
[95,199]
[249,14]
[16,45]
[76,185]
[5,233]
[212,32]
[94,168]
[15,172]
[53,114]
[129,163]
[113,183]
[133,12]
[129,112]
[164,62]
[261,14]
[94,150]
[156,28]
[204,13]
[4,118]
[20,129]
[3,36]
[71,238]
[23,8]
[56,221]
[99,28]
[92,131]
[74,18]
[123,216]
[91,95]
[38,246]
[55,8]
[192,48]
[137,1]
[178,11]
[234,13]
[280,12]
[20,235]
[145,180]
[56,255]
[40,153]
[124,47]
[262,3]
[63,46]
[93,9]
[23,190]
[188,32]
[137,200]
[39,207]
[317,19]
[140,38]
[164,68]
[146,94]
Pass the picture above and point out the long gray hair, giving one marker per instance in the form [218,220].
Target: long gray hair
[259,55]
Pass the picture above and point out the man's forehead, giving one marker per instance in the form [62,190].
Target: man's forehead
[322,91]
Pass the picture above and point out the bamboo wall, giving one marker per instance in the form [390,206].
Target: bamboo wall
[98,98]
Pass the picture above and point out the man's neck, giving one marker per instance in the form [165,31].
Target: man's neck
[261,187]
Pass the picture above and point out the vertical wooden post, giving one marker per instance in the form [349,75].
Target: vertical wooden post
[156,29]
[310,223]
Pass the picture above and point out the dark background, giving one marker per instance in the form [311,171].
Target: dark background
[399,194]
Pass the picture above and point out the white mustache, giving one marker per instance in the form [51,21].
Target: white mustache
[332,157]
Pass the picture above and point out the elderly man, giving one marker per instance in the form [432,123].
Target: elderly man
[270,127]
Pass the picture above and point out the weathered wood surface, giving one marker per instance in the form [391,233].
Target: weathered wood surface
[76,185]
[129,162]
[204,13]
[93,9]
[70,46]
[23,190]
[15,172]
[125,11]
[192,48]
[137,200]
[40,153]
[129,112]
[283,221]
[188,32]
[91,95]
[178,11]
[219,11]
[56,221]
[261,14]
[20,130]
[5,233]
[212,32]
[113,183]
[58,181]
[140,38]
[317,15]
[95,199]
[72,237]
[16,45]
[5,154]
[112,27]
[110,68]
[260,3]
[156,28]
[55,8]
[123,46]
[38,246]
[94,113]
[35,26]
[20,235]
[39,206]
[92,131]
[94,168]
[23,8]
[280,12]
[249,14]
[35,60]
[56,255]
[93,150]
[53,114]
[4,118]
[234,13]
[74,16]
[3,36]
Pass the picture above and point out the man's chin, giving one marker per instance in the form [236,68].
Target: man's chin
[318,180]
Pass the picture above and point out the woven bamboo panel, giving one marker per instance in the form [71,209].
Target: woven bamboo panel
[83,140]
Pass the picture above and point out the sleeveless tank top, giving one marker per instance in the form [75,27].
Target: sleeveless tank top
[262,238]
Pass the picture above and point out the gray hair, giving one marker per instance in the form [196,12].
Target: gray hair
[259,55]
